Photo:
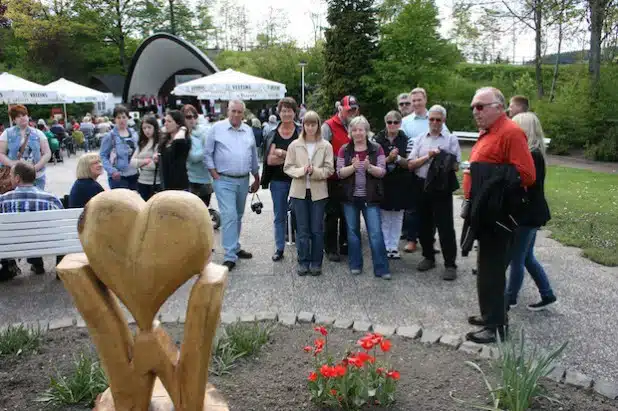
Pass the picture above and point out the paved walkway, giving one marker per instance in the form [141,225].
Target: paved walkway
[586,316]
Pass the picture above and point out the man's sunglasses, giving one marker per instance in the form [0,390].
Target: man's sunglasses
[481,107]
[435,120]
[405,103]
[190,117]
[391,122]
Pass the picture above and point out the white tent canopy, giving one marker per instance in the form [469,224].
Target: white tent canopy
[76,93]
[16,90]
[230,85]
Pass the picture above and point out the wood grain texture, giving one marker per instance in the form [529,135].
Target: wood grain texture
[141,253]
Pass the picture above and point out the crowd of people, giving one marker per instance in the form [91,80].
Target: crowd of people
[329,173]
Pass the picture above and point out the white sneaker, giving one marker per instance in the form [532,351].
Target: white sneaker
[389,254]
[395,255]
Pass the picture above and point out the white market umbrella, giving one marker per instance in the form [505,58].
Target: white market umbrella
[230,85]
[75,93]
[16,90]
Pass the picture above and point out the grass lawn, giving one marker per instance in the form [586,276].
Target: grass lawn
[584,209]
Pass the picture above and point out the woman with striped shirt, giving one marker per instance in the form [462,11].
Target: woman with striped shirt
[361,164]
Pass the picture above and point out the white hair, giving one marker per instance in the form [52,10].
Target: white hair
[436,108]
[272,119]
[498,96]
[359,121]
[403,95]
[242,103]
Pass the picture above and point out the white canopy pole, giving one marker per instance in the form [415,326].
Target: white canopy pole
[65,114]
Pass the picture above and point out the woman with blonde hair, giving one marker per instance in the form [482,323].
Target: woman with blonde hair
[89,168]
[309,162]
[535,215]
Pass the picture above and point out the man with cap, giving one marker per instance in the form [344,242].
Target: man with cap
[335,131]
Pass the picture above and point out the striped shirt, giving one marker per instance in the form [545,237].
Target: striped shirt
[360,180]
[28,198]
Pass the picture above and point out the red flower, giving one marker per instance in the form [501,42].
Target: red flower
[321,330]
[380,370]
[344,362]
[327,371]
[313,376]
[333,391]
[319,343]
[317,351]
[366,343]
[308,348]
[339,370]
[386,345]
[376,338]
[394,375]
[364,357]
[355,361]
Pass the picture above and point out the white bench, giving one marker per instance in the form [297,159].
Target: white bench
[473,136]
[39,234]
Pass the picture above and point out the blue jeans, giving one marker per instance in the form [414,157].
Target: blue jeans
[371,214]
[231,197]
[309,230]
[40,183]
[279,190]
[522,255]
[129,182]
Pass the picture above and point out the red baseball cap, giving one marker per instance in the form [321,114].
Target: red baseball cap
[349,102]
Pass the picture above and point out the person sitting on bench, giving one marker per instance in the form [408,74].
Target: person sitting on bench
[25,197]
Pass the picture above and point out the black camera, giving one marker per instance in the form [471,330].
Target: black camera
[256,206]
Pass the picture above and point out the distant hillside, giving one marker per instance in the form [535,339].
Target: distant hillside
[571,57]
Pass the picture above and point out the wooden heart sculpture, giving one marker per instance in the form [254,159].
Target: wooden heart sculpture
[141,265]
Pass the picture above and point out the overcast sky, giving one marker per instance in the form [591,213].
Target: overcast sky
[301,27]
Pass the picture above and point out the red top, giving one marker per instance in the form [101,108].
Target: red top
[340,136]
[504,143]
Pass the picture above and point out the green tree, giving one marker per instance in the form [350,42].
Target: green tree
[349,52]
[413,54]
[5,22]
[465,33]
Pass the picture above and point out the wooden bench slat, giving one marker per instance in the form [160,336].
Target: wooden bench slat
[31,238]
[62,230]
[68,214]
[38,224]
[39,245]
[43,252]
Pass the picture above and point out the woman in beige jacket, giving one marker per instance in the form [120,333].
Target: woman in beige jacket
[309,162]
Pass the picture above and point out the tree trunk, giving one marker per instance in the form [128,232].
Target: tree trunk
[596,29]
[557,65]
[172,18]
[121,38]
[538,21]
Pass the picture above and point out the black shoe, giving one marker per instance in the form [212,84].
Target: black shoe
[343,250]
[302,271]
[7,275]
[477,320]
[425,265]
[38,269]
[484,336]
[334,257]
[543,304]
[244,255]
[277,256]
[316,271]
[230,265]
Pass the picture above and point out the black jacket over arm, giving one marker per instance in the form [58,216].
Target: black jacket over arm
[536,213]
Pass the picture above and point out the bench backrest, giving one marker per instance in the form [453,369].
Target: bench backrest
[40,233]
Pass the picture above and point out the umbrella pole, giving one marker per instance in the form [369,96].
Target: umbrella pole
[9,114]
[65,114]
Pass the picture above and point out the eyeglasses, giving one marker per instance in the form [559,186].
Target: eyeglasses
[190,117]
[435,120]
[481,107]
[405,103]
[391,122]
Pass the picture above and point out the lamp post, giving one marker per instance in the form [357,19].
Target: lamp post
[302,65]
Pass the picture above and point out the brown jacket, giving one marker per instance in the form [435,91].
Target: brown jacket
[297,159]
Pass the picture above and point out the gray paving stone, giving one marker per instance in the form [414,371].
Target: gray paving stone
[361,326]
[606,388]
[385,330]
[169,319]
[343,323]
[577,379]
[287,318]
[228,318]
[305,317]
[59,323]
[80,323]
[266,316]
[430,337]
[410,331]
[490,353]
[247,318]
[451,340]
[182,318]
[557,373]
[470,347]
[324,319]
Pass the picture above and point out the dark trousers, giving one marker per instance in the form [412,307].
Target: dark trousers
[436,212]
[203,191]
[410,224]
[335,229]
[129,182]
[492,261]
[147,190]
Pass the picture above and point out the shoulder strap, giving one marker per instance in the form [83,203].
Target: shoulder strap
[24,145]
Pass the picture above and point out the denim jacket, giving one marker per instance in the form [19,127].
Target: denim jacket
[32,153]
[124,151]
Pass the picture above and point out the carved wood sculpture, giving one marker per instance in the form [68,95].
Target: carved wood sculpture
[141,253]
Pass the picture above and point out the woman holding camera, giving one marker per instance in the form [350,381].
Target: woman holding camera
[309,163]
[277,145]
[361,165]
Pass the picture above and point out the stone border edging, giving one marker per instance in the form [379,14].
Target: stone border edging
[559,374]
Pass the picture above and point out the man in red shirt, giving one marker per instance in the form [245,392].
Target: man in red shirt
[501,141]
[335,131]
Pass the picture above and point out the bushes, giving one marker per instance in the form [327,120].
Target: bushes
[606,149]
